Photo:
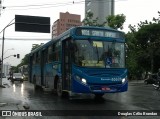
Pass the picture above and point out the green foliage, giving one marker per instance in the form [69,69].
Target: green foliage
[14,69]
[131,59]
[89,21]
[116,21]
[34,46]
[143,47]
[149,40]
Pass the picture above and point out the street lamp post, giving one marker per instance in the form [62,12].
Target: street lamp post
[10,23]
[2,59]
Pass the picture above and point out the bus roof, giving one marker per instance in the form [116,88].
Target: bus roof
[71,32]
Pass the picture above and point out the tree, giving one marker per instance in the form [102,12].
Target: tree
[143,42]
[89,21]
[34,46]
[149,40]
[116,21]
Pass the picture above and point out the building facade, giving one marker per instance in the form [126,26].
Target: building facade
[6,69]
[100,9]
[65,21]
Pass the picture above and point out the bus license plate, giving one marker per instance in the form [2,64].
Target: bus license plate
[105,88]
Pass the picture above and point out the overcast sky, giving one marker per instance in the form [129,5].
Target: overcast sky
[134,10]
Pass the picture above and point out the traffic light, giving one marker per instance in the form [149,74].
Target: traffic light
[18,55]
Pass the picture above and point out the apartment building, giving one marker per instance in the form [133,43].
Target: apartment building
[65,22]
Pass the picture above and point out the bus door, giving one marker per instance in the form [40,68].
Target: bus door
[42,66]
[66,65]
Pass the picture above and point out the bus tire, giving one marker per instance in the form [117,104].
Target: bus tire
[98,96]
[34,82]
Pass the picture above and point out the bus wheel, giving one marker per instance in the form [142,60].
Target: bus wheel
[98,96]
[59,88]
[34,82]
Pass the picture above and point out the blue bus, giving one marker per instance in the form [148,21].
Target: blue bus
[83,59]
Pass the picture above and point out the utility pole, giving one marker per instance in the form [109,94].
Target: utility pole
[0,6]
[3,38]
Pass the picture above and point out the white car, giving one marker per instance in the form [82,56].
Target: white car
[17,77]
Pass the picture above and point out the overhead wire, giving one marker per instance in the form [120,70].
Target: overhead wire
[28,39]
[40,6]
[50,5]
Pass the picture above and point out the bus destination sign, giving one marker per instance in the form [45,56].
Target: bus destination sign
[97,32]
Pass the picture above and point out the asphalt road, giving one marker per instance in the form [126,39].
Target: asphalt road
[138,98]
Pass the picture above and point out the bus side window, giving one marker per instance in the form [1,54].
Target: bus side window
[50,53]
[38,57]
[34,59]
[56,51]
[46,55]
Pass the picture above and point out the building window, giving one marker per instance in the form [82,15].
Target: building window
[89,10]
[88,4]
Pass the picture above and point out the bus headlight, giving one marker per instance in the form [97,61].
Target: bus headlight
[84,81]
[123,80]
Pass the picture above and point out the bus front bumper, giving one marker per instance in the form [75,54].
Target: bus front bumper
[78,87]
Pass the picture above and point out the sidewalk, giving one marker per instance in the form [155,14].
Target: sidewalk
[11,101]
[136,82]
[6,102]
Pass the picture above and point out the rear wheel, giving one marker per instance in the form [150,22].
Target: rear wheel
[34,82]
[98,96]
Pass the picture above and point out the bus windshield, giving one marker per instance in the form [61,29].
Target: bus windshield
[103,54]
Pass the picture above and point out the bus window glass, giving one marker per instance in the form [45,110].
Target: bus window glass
[46,56]
[38,57]
[56,51]
[103,54]
[50,53]
[34,59]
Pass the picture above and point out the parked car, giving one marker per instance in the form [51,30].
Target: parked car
[150,79]
[17,77]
